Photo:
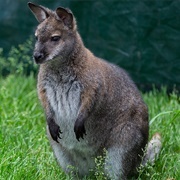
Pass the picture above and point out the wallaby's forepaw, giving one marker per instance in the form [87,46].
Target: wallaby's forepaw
[54,130]
[79,130]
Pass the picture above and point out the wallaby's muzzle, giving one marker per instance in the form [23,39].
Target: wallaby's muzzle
[38,57]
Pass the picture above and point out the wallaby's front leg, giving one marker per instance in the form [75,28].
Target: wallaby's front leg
[79,128]
[54,129]
[84,111]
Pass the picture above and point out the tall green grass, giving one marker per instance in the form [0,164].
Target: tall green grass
[25,152]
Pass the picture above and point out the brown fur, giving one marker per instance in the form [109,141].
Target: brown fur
[95,103]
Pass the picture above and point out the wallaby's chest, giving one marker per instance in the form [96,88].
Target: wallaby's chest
[64,99]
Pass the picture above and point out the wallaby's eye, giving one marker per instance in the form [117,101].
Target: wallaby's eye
[55,38]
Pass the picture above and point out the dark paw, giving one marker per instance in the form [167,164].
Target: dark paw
[79,130]
[54,130]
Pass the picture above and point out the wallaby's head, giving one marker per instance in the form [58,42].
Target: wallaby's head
[55,34]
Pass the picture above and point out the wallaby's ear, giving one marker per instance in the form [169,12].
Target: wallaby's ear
[66,16]
[40,12]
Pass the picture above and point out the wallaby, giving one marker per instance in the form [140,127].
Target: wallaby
[90,104]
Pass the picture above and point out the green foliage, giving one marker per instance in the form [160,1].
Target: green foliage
[19,60]
[164,113]
[25,152]
[100,162]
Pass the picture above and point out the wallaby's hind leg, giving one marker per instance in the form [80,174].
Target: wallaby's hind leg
[125,151]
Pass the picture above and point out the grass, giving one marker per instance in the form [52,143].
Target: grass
[25,152]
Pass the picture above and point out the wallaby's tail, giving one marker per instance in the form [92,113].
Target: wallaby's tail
[153,149]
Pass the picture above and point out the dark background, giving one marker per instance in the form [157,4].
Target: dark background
[142,36]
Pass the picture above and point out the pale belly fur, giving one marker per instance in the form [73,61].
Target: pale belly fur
[65,102]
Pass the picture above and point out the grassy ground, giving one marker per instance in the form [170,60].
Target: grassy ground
[26,154]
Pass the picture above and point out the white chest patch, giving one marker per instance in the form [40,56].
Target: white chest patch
[65,102]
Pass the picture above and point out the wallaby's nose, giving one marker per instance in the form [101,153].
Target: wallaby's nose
[38,56]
